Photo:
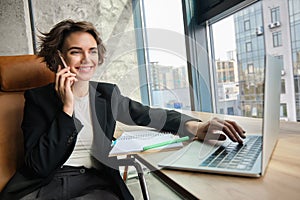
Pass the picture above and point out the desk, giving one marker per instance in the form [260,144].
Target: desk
[281,181]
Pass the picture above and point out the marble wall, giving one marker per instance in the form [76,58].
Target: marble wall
[15,31]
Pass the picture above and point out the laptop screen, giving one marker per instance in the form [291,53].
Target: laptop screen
[271,107]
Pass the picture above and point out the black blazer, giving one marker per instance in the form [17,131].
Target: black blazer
[50,134]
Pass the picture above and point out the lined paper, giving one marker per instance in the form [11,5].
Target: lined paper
[134,141]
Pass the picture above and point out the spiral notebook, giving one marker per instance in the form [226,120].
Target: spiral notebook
[134,141]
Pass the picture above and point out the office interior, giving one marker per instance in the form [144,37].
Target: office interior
[198,55]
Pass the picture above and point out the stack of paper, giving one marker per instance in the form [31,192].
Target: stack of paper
[135,141]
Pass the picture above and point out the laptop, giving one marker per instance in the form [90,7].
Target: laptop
[251,158]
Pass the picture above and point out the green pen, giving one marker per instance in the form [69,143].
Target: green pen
[145,148]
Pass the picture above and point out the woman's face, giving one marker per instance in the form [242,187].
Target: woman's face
[81,54]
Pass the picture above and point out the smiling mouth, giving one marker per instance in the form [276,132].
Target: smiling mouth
[85,68]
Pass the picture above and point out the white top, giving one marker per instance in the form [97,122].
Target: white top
[81,153]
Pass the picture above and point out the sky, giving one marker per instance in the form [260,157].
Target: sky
[162,19]
[159,17]
[224,37]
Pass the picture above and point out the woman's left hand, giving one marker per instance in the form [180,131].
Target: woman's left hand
[216,129]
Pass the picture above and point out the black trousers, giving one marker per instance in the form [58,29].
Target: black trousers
[76,183]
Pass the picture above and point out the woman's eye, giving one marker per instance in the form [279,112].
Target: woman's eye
[75,52]
[94,52]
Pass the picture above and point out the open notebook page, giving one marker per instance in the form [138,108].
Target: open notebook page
[134,141]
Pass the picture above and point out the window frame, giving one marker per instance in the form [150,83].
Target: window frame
[275,14]
[277,39]
[248,46]
[247,25]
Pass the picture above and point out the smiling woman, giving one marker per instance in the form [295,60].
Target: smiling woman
[59,35]
[81,55]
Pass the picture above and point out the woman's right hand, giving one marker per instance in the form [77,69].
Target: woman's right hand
[64,80]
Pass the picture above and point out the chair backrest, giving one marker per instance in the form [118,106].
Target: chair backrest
[17,74]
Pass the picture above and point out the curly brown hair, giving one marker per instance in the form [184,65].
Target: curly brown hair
[53,41]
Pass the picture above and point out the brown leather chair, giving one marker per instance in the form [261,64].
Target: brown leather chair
[17,73]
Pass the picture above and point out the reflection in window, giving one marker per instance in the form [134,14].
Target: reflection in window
[240,92]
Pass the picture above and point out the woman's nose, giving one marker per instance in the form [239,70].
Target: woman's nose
[85,57]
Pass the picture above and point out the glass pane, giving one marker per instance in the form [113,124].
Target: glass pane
[167,67]
[283,110]
[240,89]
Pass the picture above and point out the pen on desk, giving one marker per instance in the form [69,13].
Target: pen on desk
[145,148]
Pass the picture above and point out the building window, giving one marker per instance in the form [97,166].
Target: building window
[247,25]
[275,14]
[277,39]
[282,86]
[230,111]
[220,77]
[297,84]
[283,110]
[248,46]
[222,111]
[231,76]
[250,68]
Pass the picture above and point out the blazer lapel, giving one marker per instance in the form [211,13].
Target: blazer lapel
[98,107]
[101,142]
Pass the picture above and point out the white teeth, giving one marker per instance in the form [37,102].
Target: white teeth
[85,68]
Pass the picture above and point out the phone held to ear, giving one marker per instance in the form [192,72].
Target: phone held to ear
[64,64]
[62,59]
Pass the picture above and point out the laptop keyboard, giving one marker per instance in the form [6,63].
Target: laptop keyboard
[235,156]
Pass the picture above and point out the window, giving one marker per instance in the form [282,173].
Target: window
[167,62]
[297,85]
[247,25]
[275,14]
[282,86]
[248,46]
[252,32]
[250,68]
[231,76]
[242,93]
[277,39]
[222,111]
[230,111]
[283,110]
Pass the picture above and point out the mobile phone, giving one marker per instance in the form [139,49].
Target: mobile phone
[62,59]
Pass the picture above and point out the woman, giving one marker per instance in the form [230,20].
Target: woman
[68,125]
